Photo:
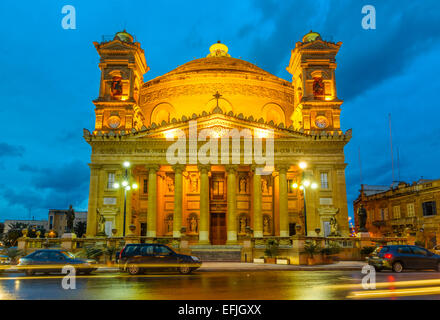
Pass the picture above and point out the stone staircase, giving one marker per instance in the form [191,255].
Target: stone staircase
[217,253]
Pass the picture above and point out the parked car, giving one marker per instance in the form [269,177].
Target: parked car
[4,260]
[47,261]
[138,258]
[400,257]
[436,249]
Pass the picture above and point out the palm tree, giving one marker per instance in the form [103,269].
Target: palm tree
[80,228]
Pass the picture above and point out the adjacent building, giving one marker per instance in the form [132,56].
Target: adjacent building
[402,210]
[220,200]
[57,220]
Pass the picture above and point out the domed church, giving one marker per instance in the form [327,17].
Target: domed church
[165,165]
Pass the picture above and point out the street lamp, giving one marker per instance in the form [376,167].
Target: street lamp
[304,185]
[127,187]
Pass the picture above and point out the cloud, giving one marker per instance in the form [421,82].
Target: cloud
[66,178]
[8,150]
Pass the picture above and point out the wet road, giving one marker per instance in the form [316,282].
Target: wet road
[276,285]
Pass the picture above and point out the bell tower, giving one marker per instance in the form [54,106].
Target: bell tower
[123,66]
[312,65]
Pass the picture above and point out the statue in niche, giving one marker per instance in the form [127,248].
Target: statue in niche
[318,86]
[101,223]
[243,185]
[193,225]
[194,182]
[170,184]
[334,227]
[116,88]
[266,225]
[170,224]
[264,187]
[243,224]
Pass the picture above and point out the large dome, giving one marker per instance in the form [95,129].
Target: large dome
[219,64]
[243,87]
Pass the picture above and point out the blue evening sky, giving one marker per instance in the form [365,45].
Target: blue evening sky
[50,76]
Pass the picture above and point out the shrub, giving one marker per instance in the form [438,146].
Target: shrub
[271,248]
[91,252]
[367,250]
[312,248]
[331,248]
[13,254]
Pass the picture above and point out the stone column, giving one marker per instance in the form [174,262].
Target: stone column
[257,214]
[232,204]
[204,204]
[93,199]
[152,200]
[284,214]
[177,216]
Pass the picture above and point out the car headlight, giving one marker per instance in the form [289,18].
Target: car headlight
[195,258]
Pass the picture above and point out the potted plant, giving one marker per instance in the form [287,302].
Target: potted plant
[311,248]
[330,251]
[110,252]
[366,251]
[271,251]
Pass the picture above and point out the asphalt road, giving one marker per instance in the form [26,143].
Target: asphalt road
[255,285]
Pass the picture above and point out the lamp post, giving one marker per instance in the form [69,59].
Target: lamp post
[125,183]
[305,184]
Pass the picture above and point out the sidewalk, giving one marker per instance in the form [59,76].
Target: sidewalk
[240,266]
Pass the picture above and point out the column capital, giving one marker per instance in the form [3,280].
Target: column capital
[152,167]
[204,168]
[178,168]
[231,169]
[282,168]
[95,166]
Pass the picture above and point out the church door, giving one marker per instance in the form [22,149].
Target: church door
[218,208]
[218,228]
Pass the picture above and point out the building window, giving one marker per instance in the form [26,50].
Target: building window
[410,210]
[145,188]
[50,222]
[383,214]
[292,229]
[324,180]
[396,212]
[429,208]
[111,180]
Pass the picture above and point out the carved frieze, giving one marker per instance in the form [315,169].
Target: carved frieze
[226,89]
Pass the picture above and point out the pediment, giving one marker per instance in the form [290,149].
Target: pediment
[321,45]
[221,124]
[115,45]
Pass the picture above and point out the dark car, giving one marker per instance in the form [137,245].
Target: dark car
[400,257]
[47,261]
[137,258]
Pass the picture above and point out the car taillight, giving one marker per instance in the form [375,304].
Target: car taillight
[120,254]
[388,256]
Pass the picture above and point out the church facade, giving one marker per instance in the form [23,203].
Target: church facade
[160,167]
